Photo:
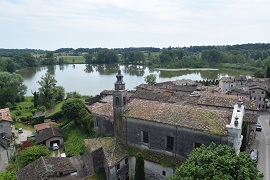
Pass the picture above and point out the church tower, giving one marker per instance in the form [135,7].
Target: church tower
[120,101]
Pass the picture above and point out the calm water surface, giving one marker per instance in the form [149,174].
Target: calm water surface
[92,79]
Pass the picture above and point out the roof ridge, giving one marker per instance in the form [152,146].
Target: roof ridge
[53,131]
[44,163]
[113,149]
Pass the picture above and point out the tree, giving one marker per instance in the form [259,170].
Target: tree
[139,167]
[268,72]
[218,162]
[11,88]
[32,153]
[8,175]
[49,93]
[150,79]
[71,109]
[88,58]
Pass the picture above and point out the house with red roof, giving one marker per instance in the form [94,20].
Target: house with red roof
[5,127]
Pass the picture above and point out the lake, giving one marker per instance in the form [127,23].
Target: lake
[92,79]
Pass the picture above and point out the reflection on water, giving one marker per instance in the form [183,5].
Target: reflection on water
[92,79]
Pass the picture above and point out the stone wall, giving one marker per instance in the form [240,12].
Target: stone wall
[184,139]
[105,125]
[88,162]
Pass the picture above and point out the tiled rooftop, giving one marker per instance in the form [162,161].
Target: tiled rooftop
[46,167]
[39,127]
[5,115]
[210,121]
[233,78]
[48,133]
[112,149]
[104,109]
[223,100]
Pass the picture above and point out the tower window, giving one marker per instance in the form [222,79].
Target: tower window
[117,100]
[124,100]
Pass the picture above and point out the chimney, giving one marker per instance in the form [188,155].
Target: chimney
[239,103]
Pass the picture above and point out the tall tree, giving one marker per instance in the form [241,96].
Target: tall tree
[88,58]
[71,109]
[49,93]
[11,88]
[139,167]
[218,162]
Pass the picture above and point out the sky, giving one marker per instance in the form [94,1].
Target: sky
[54,24]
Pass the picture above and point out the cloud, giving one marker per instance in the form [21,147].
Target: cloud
[221,20]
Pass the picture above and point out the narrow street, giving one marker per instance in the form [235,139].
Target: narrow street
[262,144]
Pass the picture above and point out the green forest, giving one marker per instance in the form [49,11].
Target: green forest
[246,56]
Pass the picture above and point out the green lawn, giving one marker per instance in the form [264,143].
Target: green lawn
[24,126]
[77,59]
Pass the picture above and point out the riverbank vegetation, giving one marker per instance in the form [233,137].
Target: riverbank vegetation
[245,56]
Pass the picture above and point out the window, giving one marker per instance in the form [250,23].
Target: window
[124,100]
[260,98]
[117,100]
[170,141]
[145,137]
[262,92]
[118,166]
[126,160]
[163,173]
[96,122]
[253,91]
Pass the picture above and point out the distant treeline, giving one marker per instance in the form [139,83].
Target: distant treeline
[244,56]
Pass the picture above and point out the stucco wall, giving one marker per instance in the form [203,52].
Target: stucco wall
[152,170]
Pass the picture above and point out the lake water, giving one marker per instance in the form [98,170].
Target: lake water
[92,79]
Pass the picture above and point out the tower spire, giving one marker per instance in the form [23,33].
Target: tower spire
[119,84]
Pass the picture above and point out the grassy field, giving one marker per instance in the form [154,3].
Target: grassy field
[74,139]
[24,126]
[77,59]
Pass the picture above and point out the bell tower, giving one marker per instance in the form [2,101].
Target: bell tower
[120,101]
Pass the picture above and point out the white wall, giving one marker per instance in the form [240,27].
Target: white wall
[153,171]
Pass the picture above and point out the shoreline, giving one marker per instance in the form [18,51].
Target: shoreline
[185,69]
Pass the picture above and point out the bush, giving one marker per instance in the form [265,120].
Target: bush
[55,116]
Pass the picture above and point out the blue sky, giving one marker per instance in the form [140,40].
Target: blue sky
[53,24]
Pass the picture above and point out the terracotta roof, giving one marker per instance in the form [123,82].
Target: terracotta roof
[257,85]
[210,121]
[48,133]
[150,95]
[42,126]
[251,118]
[104,109]
[223,100]
[5,115]
[46,167]
[233,78]
[185,82]
[111,147]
